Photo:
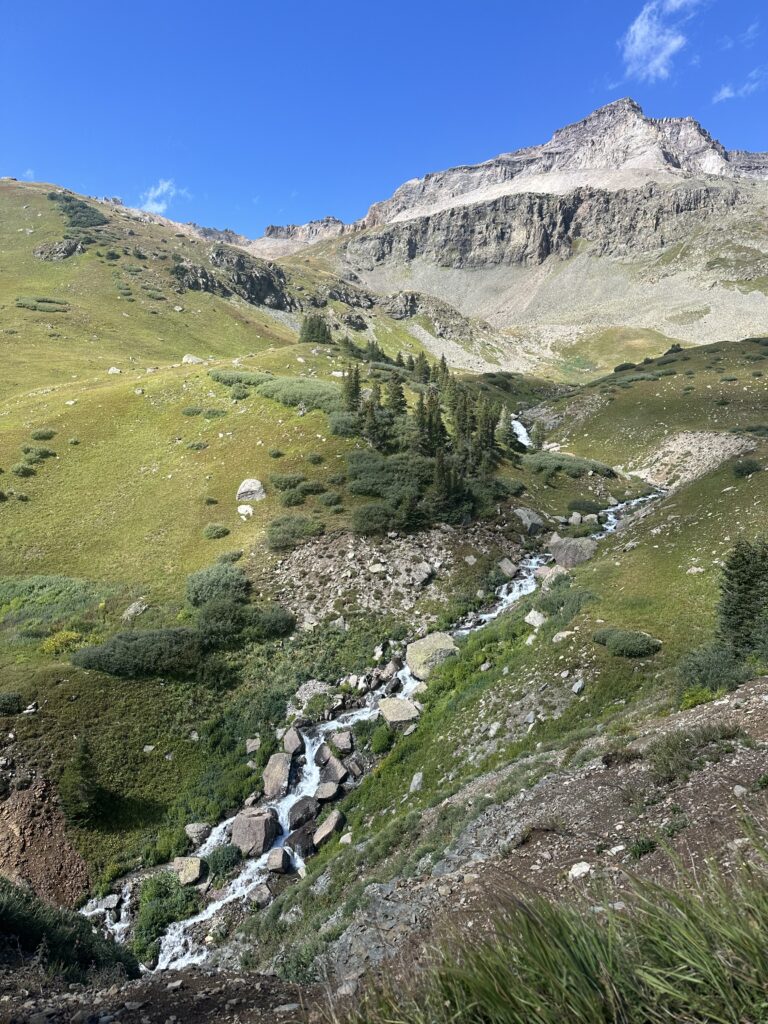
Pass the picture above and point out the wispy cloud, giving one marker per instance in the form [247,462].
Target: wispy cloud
[29,174]
[756,79]
[655,37]
[158,197]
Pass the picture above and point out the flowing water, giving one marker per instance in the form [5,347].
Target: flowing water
[181,946]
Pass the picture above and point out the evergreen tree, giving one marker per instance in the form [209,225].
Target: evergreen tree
[743,607]
[78,788]
[410,363]
[399,361]
[395,396]
[351,390]
[421,368]
[314,328]
[421,426]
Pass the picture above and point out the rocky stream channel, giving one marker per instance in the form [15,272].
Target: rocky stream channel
[278,831]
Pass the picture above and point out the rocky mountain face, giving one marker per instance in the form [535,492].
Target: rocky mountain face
[618,221]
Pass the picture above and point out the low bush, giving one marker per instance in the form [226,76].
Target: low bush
[297,391]
[287,532]
[213,413]
[746,467]
[675,755]
[11,704]
[585,505]
[45,434]
[215,531]
[371,519]
[627,643]
[197,446]
[292,497]
[245,378]
[137,653]
[624,366]
[714,668]
[230,556]
[271,622]
[286,481]
[311,487]
[60,642]
[162,900]
[64,940]
[21,469]
[330,498]
[344,424]
[192,410]
[223,860]
[276,454]
[551,463]
[218,582]
[382,739]
[315,458]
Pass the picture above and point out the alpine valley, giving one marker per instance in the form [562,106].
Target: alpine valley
[384,605]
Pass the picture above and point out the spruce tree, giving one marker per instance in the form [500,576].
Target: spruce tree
[743,607]
[395,396]
[314,328]
[351,390]
[78,788]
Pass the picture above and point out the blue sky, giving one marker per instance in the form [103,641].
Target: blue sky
[247,113]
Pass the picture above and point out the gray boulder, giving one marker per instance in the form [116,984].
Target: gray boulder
[304,810]
[571,551]
[188,869]
[333,823]
[424,655]
[197,832]
[260,897]
[293,742]
[254,831]
[343,742]
[251,490]
[301,841]
[323,754]
[397,711]
[277,775]
[278,860]
[531,521]
[333,771]
[327,791]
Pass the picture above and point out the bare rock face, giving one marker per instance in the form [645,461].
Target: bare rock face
[293,743]
[277,774]
[57,251]
[254,831]
[422,656]
[236,273]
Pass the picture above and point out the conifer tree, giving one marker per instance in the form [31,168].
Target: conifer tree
[78,788]
[743,607]
[395,396]
[351,390]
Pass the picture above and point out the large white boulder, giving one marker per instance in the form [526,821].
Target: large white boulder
[251,490]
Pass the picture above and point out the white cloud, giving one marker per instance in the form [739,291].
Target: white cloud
[29,174]
[655,37]
[158,197]
[755,80]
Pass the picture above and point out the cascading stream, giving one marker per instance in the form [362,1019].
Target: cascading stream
[180,946]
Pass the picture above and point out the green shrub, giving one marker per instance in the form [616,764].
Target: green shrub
[551,463]
[137,653]
[244,378]
[382,739]
[38,452]
[286,481]
[696,695]
[74,441]
[676,754]
[344,424]
[238,392]
[11,704]
[79,791]
[212,414]
[215,531]
[314,329]
[330,498]
[624,366]
[627,643]
[197,446]
[21,469]
[642,847]
[297,391]
[218,582]
[712,668]
[373,518]
[162,900]
[585,505]
[223,860]
[45,434]
[78,214]
[275,453]
[270,622]
[308,487]
[315,458]
[64,940]
[192,410]
[746,467]
[230,556]
[292,497]
[287,532]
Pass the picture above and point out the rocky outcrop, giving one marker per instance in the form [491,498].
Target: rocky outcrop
[236,273]
[54,252]
[398,711]
[527,228]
